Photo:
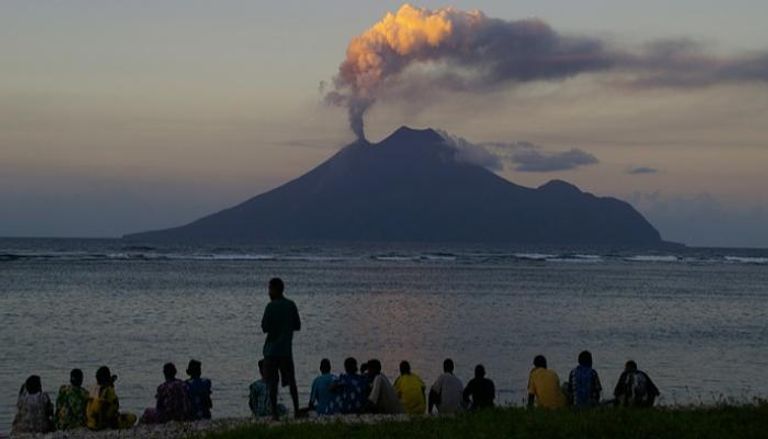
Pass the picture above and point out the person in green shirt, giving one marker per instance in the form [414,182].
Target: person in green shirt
[280,321]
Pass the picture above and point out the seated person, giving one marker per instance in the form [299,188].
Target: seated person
[321,399]
[258,396]
[199,390]
[71,403]
[383,398]
[103,410]
[351,389]
[446,392]
[34,409]
[635,388]
[544,386]
[480,391]
[584,386]
[410,389]
[173,403]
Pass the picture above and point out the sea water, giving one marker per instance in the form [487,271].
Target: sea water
[695,320]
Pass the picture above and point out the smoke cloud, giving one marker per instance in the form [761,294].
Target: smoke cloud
[468,51]
[520,156]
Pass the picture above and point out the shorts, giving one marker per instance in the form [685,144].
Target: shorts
[282,366]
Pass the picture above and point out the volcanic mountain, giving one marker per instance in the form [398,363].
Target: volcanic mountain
[412,187]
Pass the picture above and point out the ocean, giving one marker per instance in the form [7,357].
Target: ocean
[695,319]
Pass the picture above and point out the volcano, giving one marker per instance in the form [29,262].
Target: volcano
[411,187]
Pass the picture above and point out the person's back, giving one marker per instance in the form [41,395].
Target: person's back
[635,388]
[351,389]
[383,397]
[446,393]
[259,398]
[199,390]
[410,390]
[280,321]
[71,403]
[544,386]
[584,386]
[34,409]
[173,402]
[321,399]
[480,391]
[103,407]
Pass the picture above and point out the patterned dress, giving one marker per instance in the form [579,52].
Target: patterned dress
[173,404]
[103,410]
[34,413]
[258,400]
[351,393]
[200,394]
[70,407]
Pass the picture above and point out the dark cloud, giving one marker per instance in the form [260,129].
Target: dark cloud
[640,170]
[536,160]
[519,156]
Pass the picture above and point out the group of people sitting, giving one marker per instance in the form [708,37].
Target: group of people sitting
[356,391]
[99,408]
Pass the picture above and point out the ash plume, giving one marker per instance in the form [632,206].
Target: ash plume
[468,51]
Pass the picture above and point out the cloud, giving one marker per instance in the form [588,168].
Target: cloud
[640,170]
[519,156]
[467,51]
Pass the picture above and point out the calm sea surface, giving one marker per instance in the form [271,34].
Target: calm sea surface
[696,320]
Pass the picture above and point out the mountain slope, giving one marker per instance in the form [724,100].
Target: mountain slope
[410,187]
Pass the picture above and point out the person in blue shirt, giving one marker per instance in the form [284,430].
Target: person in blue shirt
[199,390]
[584,386]
[321,398]
[351,389]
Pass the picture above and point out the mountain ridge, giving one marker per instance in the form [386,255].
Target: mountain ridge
[411,187]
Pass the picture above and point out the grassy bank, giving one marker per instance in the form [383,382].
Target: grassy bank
[721,422]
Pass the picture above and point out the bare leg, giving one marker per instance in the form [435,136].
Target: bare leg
[295,397]
[273,387]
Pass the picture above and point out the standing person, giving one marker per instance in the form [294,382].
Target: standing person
[383,398]
[635,388]
[480,391]
[351,389]
[173,403]
[410,389]
[34,409]
[71,403]
[584,386]
[446,392]
[321,399]
[199,390]
[544,386]
[103,410]
[280,321]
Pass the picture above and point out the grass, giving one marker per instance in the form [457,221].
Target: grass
[516,423]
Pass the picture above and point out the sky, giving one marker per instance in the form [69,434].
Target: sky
[118,117]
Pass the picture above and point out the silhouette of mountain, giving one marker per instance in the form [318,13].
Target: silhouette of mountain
[411,188]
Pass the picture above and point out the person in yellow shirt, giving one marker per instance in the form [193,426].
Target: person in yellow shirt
[410,389]
[544,386]
[103,409]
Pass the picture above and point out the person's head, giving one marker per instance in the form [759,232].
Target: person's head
[325,366]
[276,288]
[585,359]
[76,377]
[448,365]
[33,385]
[169,371]
[374,367]
[479,371]
[350,366]
[540,361]
[104,376]
[261,368]
[194,369]
[405,368]
[631,366]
